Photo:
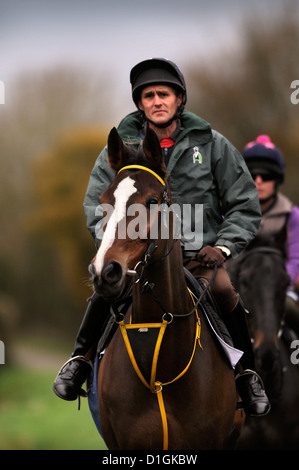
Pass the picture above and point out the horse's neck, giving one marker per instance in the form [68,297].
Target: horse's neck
[264,292]
[167,292]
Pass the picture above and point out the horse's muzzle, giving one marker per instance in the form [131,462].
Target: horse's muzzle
[109,283]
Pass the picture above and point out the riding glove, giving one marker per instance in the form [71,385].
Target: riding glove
[209,256]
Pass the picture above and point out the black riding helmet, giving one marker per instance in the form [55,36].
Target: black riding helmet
[157,70]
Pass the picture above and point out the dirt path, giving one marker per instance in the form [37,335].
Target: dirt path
[35,358]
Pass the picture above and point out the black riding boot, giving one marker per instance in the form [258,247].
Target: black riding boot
[248,382]
[72,375]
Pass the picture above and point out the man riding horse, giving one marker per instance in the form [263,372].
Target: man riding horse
[203,169]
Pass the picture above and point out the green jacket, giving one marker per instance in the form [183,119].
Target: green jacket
[204,171]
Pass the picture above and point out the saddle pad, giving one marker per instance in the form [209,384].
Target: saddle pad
[92,386]
[213,316]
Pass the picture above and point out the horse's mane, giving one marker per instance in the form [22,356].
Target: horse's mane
[276,240]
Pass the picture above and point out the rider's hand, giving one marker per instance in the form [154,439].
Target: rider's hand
[209,256]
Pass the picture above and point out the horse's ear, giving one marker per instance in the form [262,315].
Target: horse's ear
[152,148]
[115,149]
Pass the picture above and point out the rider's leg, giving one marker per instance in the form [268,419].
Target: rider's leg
[72,375]
[249,384]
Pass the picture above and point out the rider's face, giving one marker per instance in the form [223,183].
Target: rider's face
[265,189]
[159,103]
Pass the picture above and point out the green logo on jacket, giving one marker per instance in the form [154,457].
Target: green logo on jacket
[197,156]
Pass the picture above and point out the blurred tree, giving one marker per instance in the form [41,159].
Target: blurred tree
[42,105]
[39,108]
[56,221]
[248,93]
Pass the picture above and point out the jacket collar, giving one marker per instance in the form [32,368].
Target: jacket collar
[130,127]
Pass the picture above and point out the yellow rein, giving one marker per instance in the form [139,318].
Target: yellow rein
[156,386]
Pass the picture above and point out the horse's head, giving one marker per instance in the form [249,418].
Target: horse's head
[129,227]
[260,276]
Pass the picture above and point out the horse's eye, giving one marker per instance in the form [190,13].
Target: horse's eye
[151,200]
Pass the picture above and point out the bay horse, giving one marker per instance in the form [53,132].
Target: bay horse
[163,382]
[260,276]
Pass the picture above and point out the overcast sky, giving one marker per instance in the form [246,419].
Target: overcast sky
[111,36]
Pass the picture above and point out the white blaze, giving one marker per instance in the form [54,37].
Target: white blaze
[124,190]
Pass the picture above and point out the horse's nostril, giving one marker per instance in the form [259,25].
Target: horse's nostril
[112,272]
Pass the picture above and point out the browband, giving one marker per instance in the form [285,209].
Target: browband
[140,167]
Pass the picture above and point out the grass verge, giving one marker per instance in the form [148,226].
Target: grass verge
[33,418]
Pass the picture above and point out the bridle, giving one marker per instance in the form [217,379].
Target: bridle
[138,269]
[260,249]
